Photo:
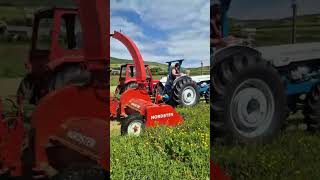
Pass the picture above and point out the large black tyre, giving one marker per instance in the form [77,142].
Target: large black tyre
[249,103]
[158,89]
[133,125]
[207,96]
[312,109]
[185,93]
[80,172]
[69,74]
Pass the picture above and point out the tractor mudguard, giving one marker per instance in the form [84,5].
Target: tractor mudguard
[226,52]
[179,79]
[58,107]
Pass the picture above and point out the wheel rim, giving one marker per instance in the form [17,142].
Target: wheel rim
[252,108]
[189,96]
[135,128]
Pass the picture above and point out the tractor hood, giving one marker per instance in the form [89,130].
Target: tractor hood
[197,79]
[282,55]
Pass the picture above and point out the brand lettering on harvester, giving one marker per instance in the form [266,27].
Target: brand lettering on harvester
[82,139]
[161,116]
[135,105]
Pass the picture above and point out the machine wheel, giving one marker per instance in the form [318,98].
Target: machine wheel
[133,125]
[131,85]
[312,109]
[185,93]
[69,74]
[207,96]
[82,173]
[252,107]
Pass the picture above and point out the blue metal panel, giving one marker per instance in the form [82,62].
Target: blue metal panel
[299,88]
[225,4]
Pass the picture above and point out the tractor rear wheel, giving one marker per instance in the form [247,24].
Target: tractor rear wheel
[252,107]
[207,96]
[133,125]
[158,89]
[185,93]
[131,85]
[312,109]
[26,89]
[69,74]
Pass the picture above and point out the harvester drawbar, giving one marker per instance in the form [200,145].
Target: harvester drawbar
[135,109]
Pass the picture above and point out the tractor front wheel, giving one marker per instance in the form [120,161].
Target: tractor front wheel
[133,125]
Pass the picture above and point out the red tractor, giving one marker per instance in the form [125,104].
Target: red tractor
[127,79]
[66,136]
[134,108]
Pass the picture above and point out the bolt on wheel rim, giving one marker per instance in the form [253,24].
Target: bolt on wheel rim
[134,128]
[189,95]
[252,108]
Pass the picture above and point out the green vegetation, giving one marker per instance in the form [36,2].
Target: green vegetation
[116,63]
[115,79]
[293,155]
[275,32]
[165,153]
[12,59]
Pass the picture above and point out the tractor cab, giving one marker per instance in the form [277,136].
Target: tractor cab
[128,76]
[56,39]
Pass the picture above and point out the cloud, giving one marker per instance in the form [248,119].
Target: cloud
[183,27]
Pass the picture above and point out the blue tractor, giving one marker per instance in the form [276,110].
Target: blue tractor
[184,90]
[254,89]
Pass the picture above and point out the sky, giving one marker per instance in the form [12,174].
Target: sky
[271,9]
[163,29]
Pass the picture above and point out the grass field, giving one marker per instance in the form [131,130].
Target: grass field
[8,86]
[12,59]
[292,155]
[164,153]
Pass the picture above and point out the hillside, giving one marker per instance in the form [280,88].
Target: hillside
[278,31]
[116,63]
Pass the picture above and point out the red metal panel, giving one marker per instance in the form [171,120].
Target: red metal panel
[162,114]
[130,94]
[136,56]
[216,172]
[86,136]
[11,140]
[95,22]
[64,104]
[114,105]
